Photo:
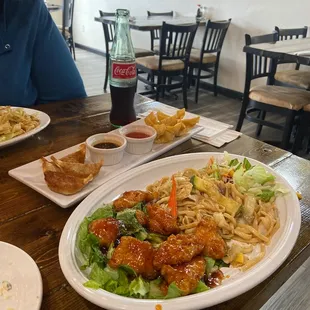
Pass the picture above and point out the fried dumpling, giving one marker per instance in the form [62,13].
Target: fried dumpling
[76,157]
[65,184]
[77,169]
[49,166]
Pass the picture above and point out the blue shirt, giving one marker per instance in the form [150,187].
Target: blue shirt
[35,63]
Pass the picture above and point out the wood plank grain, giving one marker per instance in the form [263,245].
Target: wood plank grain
[32,222]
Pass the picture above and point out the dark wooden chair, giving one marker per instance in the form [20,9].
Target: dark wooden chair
[109,32]
[293,78]
[175,46]
[155,34]
[286,101]
[303,131]
[67,31]
[208,57]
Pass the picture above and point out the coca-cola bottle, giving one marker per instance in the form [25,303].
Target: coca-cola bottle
[123,73]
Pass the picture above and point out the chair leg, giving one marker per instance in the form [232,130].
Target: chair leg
[197,86]
[73,49]
[106,74]
[242,114]
[288,130]
[164,80]
[158,88]
[216,68]
[301,131]
[185,92]
[262,116]
[190,77]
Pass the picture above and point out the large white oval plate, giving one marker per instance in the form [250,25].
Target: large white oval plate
[44,121]
[19,269]
[138,178]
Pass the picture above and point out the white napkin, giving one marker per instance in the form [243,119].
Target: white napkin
[223,138]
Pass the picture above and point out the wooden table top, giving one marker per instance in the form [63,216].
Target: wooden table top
[283,50]
[34,223]
[144,23]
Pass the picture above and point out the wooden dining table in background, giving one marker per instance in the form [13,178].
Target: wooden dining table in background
[34,223]
[144,23]
[297,50]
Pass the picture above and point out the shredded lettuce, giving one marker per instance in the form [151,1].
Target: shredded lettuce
[155,291]
[104,212]
[139,287]
[201,287]
[155,239]
[173,291]
[132,226]
[210,262]
[266,195]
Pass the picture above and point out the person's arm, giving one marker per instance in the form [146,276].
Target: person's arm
[53,72]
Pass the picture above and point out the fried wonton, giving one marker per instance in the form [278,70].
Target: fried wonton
[77,169]
[65,184]
[76,157]
[168,127]
[70,174]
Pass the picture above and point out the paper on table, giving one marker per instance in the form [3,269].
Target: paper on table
[212,128]
[220,140]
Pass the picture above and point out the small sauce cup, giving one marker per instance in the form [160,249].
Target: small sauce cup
[140,138]
[110,156]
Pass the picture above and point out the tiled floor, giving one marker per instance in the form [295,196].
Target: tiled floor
[294,294]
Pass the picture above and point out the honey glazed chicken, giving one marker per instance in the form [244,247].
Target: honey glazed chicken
[178,259]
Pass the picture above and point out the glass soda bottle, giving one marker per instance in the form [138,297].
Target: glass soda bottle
[122,72]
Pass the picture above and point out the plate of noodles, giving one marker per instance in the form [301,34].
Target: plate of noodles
[183,232]
[17,124]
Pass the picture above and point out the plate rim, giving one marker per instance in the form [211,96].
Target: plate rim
[285,247]
[30,133]
[35,268]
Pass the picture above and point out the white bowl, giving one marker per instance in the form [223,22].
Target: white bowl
[109,156]
[139,146]
[138,178]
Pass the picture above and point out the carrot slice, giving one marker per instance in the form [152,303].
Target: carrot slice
[172,203]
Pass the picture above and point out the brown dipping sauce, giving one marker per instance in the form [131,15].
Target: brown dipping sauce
[137,135]
[106,145]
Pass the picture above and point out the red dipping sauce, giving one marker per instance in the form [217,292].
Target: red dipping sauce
[137,135]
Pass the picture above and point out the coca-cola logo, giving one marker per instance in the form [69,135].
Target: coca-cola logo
[124,70]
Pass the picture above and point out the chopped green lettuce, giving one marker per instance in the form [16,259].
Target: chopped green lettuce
[246,164]
[99,275]
[210,262]
[92,284]
[139,287]
[104,212]
[266,195]
[173,291]
[155,239]
[155,291]
[233,162]
[201,287]
[132,226]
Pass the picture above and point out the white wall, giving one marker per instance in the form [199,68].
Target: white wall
[248,16]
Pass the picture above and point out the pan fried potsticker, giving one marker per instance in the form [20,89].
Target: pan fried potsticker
[168,127]
[70,174]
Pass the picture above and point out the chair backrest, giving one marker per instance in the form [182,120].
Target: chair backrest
[214,36]
[176,42]
[108,30]
[155,34]
[260,66]
[289,34]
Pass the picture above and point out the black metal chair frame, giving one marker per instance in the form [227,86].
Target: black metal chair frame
[171,49]
[109,32]
[291,34]
[212,42]
[69,39]
[155,34]
[302,130]
[257,67]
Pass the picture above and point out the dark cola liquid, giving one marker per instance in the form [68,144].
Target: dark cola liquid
[122,112]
